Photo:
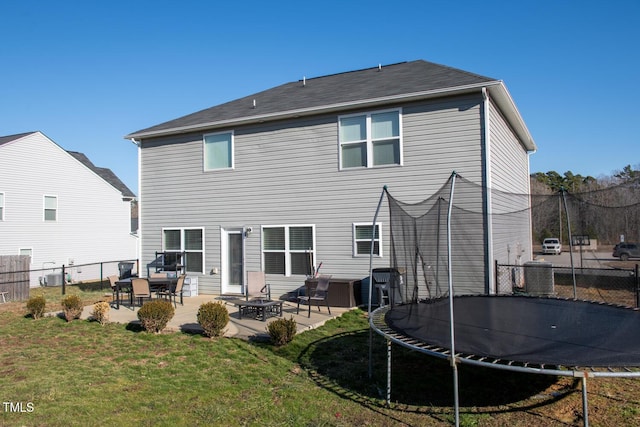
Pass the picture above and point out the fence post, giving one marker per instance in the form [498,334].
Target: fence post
[637,287]
[64,281]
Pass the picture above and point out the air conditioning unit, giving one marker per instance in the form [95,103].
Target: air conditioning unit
[538,278]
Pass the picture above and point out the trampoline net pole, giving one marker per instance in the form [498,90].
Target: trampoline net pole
[451,316]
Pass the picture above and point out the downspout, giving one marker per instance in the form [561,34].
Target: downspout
[139,243]
[491,285]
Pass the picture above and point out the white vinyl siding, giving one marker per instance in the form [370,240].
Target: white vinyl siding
[371,139]
[288,249]
[1,206]
[50,208]
[93,222]
[190,243]
[362,234]
[218,151]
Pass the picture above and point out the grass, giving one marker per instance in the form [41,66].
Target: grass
[81,373]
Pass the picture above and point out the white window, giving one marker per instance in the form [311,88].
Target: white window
[218,151]
[188,246]
[50,208]
[370,140]
[288,249]
[25,251]
[1,206]
[362,234]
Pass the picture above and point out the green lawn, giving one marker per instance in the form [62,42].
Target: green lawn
[54,373]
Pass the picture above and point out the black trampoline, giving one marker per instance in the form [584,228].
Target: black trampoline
[444,253]
[526,331]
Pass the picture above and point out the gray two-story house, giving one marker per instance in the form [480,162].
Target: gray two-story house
[288,179]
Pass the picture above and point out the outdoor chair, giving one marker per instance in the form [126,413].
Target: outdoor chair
[257,286]
[174,291]
[319,294]
[114,289]
[140,289]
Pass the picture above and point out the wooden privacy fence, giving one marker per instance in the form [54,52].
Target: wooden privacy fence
[14,276]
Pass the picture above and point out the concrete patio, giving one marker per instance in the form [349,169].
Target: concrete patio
[185,318]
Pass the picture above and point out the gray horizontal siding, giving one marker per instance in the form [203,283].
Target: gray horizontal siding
[510,176]
[288,173]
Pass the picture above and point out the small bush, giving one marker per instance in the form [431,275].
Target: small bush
[213,317]
[154,315]
[72,307]
[36,305]
[282,331]
[101,312]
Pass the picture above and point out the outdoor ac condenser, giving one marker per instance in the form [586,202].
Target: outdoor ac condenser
[538,278]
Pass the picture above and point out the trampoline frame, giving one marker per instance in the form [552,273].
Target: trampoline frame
[378,324]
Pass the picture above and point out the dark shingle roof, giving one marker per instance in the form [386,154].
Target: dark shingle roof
[9,138]
[336,89]
[368,88]
[104,173]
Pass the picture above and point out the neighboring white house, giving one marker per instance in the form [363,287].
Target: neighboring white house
[288,178]
[60,209]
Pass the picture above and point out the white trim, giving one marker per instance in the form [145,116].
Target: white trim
[182,241]
[2,205]
[225,287]
[287,250]
[44,208]
[354,245]
[369,139]
[204,151]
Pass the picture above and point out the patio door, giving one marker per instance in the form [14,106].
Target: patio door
[232,260]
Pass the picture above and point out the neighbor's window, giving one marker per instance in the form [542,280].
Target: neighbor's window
[288,249]
[50,208]
[26,251]
[372,139]
[362,234]
[1,206]
[187,245]
[218,151]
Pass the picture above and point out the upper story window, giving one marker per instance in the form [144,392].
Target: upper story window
[1,206]
[187,243]
[218,151]
[362,237]
[288,249]
[369,140]
[50,208]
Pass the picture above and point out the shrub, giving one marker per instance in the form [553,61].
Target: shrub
[35,306]
[154,315]
[72,307]
[282,331]
[101,312]
[213,317]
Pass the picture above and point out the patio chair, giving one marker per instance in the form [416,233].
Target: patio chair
[174,291]
[115,292]
[257,286]
[320,293]
[140,289]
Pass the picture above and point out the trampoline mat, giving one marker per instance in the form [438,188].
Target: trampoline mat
[543,331]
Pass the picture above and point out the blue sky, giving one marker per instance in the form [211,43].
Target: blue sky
[87,73]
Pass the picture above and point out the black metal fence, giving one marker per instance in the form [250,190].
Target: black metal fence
[16,278]
[612,286]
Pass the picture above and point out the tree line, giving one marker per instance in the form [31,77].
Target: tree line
[606,208]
